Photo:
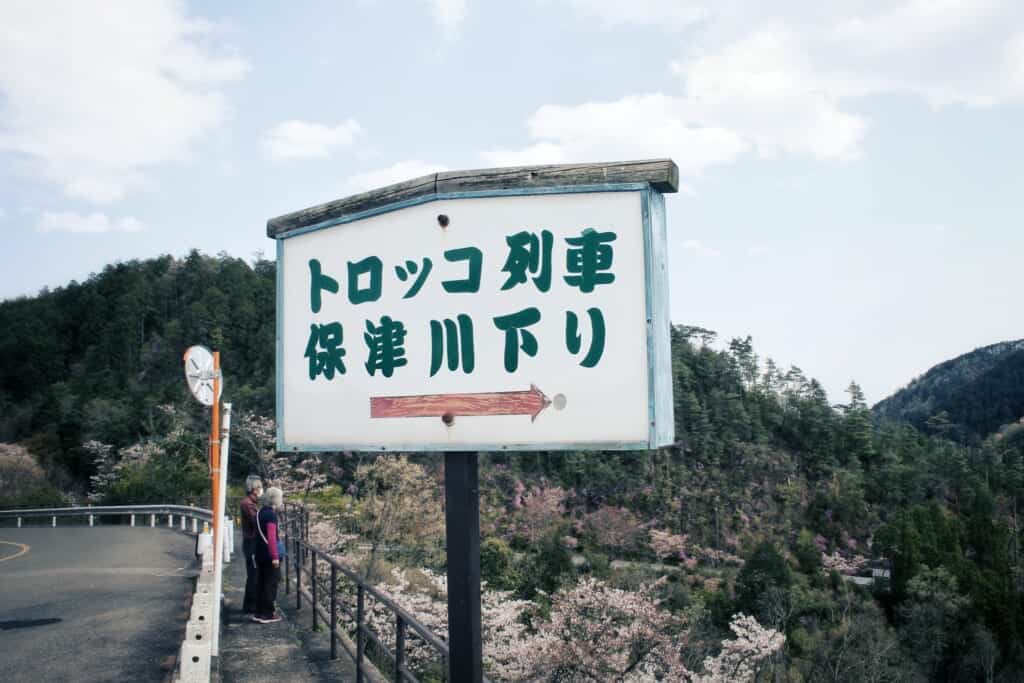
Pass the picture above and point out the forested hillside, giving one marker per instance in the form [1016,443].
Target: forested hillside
[781,538]
[95,361]
[967,398]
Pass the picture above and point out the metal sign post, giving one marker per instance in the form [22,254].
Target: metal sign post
[462,532]
[504,309]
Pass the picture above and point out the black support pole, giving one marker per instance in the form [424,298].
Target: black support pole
[462,529]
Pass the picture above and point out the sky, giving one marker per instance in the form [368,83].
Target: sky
[851,180]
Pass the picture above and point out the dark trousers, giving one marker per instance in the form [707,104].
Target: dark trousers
[269,577]
[251,574]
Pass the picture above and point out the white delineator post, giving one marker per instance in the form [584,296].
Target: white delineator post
[218,553]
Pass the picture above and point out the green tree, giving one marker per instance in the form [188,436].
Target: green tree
[857,429]
[763,571]
[931,617]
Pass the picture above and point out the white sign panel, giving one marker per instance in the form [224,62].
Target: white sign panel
[479,323]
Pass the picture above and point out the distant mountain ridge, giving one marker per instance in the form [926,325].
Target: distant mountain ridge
[968,397]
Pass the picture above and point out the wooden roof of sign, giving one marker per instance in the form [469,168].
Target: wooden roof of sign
[662,174]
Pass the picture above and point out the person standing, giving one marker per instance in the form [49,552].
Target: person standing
[250,538]
[268,557]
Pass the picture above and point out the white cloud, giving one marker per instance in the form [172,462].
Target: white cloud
[784,79]
[758,250]
[3,214]
[700,249]
[671,14]
[539,153]
[1013,62]
[914,23]
[634,127]
[448,14]
[399,172]
[94,223]
[949,52]
[765,89]
[94,95]
[102,190]
[305,140]
[757,94]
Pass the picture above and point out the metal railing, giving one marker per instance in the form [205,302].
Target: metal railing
[322,591]
[328,602]
[182,512]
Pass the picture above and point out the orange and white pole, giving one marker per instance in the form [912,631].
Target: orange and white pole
[215,504]
[215,456]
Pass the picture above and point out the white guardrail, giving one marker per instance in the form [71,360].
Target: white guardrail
[194,660]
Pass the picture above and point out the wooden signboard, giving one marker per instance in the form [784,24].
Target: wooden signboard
[502,309]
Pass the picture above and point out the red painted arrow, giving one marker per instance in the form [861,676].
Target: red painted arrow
[529,402]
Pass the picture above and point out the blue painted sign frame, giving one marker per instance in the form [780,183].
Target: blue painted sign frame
[660,412]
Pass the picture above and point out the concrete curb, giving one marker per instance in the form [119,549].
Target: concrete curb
[195,659]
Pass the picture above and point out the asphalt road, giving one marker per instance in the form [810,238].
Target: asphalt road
[91,604]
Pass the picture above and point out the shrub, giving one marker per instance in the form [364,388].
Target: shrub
[545,568]
[497,564]
[807,553]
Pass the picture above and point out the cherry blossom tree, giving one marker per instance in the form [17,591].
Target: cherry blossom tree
[844,565]
[18,469]
[614,528]
[598,633]
[741,657]
[107,464]
[539,511]
[667,545]
[399,506]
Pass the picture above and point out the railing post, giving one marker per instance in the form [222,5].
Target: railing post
[287,564]
[55,521]
[298,578]
[312,584]
[90,520]
[183,522]
[334,611]
[360,636]
[19,522]
[399,647]
[170,521]
[195,525]
[152,521]
[133,519]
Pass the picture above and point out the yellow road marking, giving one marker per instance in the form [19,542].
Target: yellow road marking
[24,549]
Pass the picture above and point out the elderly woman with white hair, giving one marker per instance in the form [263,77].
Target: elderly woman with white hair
[268,556]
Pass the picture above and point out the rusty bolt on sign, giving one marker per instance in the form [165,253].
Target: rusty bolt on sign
[442,220]
[448,419]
